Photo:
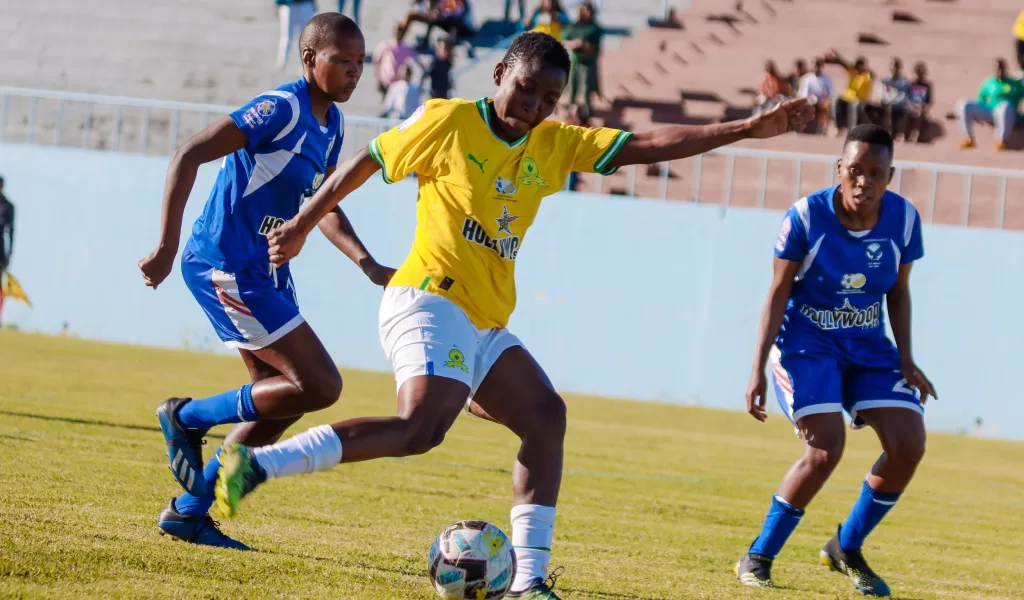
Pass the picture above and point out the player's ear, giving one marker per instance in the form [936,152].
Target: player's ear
[499,73]
[839,168]
[892,173]
[308,56]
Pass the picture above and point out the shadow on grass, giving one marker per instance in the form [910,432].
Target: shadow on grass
[74,421]
[348,564]
[608,595]
[421,573]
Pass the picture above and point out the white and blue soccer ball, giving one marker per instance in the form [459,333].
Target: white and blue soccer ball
[473,560]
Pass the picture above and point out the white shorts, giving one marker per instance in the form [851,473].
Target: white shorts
[427,334]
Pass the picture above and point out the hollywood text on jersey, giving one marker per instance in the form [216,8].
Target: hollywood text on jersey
[506,247]
[844,317]
[270,223]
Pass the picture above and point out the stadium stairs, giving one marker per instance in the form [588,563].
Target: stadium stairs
[706,71]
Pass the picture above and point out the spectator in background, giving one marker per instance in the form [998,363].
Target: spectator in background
[355,8]
[1018,32]
[403,96]
[853,105]
[584,45]
[895,90]
[998,104]
[772,88]
[390,56]
[919,102]
[508,10]
[549,18]
[817,84]
[292,16]
[440,71]
[6,230]
[799,70]
[451,16]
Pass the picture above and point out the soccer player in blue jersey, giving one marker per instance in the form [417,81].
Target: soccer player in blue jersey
[276,151]
[841,252]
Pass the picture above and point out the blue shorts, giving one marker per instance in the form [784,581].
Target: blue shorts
[813,376]
[251,308]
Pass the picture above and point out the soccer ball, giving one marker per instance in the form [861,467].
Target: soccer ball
[473,560]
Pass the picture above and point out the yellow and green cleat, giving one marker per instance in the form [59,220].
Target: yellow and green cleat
[239,474]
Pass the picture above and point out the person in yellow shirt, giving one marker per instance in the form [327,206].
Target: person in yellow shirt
[549,18]
[1018,32]
[483,169]
[853,105]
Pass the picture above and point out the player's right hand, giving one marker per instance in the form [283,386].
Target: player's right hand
[285,242]
[157,266]
[756,390]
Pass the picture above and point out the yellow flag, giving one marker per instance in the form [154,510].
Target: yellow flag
[12,289]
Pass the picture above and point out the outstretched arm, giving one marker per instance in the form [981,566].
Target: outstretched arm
[216,141]
[286,241]
[682,141]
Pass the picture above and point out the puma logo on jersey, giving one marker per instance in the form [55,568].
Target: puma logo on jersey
[477,162]
[270,223]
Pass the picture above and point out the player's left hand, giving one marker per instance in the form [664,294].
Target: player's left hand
[791,115]
[284,242]
[378,273]
[916,379]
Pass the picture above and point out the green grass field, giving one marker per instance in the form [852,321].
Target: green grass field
[658,501]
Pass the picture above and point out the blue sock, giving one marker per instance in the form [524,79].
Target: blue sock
[234,406]
[197,506]
[782,519]
[870,509]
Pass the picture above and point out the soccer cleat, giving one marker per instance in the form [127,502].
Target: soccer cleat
[239,474]
[540,589]
[195,530]
[755,570]
[184,447]
[852,564]
[968,143]
[1000,146]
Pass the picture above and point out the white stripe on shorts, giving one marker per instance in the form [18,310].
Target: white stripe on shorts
[227,292]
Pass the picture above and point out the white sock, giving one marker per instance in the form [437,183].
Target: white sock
[316,449]
[533,529]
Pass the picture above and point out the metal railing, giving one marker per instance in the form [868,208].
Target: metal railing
[733,177]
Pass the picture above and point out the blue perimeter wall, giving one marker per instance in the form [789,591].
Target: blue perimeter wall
[617,297]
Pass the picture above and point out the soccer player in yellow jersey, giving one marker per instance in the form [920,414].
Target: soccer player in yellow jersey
[483,168]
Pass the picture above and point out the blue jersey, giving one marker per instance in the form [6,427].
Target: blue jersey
[844,275]
[263,184]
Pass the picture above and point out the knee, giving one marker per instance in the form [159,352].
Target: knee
[321,390]
[548,418]
[421,436]
[823,458]
[907,452]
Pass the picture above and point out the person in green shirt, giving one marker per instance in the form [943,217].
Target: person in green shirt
[998,104]
[583,40]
